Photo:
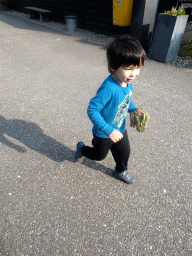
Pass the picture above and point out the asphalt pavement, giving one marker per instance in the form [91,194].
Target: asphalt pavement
[51,205]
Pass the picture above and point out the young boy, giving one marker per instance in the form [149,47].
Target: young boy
[108,109]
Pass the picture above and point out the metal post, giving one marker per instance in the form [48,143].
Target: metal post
[143,21]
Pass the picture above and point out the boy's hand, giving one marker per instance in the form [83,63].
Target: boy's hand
[116,136]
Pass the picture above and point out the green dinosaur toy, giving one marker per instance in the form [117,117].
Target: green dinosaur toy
[139,119]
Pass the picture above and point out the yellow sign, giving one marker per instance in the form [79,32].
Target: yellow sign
[122,12]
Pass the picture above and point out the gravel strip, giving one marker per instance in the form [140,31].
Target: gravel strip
[95,38]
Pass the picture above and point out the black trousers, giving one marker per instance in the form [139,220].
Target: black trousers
[101,146]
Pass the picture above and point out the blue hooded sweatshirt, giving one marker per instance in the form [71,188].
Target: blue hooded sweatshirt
[108,109]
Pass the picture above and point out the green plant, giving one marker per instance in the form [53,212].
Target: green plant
[175,12]
[185,50]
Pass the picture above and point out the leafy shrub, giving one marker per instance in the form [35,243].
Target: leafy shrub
[175,12]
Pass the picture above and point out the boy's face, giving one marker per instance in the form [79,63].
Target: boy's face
[126,74]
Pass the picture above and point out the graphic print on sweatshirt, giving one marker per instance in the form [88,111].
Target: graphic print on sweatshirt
[122,110]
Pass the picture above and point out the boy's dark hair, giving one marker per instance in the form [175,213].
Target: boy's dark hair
[125,50]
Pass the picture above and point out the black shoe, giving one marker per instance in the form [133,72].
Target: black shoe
[124,176]
[78,153]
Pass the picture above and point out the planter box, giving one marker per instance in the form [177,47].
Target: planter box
[167,37]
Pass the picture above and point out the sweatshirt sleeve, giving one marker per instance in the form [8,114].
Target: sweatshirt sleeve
[132,106]
[95,108]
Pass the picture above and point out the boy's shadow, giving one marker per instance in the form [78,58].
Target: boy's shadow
[32,136]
